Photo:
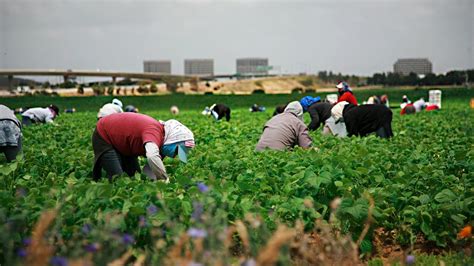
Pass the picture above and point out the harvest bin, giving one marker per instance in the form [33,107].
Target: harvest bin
[435,97]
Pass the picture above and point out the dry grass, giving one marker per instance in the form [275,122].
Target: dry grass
[270,253]
[40,251]
[325,245]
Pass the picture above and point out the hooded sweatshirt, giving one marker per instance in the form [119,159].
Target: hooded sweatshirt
[7,114]
[10,127]
[285,130]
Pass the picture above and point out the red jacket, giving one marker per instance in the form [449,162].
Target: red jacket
[348,97]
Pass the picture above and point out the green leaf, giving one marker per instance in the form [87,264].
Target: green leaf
[366,246]
[446,195]
[425,228]
[424,199]
[458,218]
[126,206]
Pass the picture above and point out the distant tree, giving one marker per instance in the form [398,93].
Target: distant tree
[429,80]
[46,85]
[307,82]
[393,79]
[125,82]
[297,90]
[153,87]
[323,76]
[411,80]
[143,90]
[80,89]
[98,90]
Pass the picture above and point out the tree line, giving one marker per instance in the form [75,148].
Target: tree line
[455,77]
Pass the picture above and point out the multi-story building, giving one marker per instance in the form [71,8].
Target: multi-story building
[252,66]
[157,66]
[199,67]
[419,66]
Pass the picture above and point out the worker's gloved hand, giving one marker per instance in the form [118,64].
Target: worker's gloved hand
[149,173]
[154,167]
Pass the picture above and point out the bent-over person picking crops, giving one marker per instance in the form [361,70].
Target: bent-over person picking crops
[119,139]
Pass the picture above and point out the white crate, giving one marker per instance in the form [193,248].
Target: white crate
[435,97]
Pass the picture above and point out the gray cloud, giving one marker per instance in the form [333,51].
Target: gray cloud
[359,37]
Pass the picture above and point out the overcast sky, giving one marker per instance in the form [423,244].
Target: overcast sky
[355,37]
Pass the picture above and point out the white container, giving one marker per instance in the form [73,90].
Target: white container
[435,97]
[332,98]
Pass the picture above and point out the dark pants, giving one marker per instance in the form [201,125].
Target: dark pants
[11,151]
[116,164]
[384,132]
[26,121]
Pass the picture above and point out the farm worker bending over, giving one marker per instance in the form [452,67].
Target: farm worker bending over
[10,133]
[345,93]
[279,109]
[318,111]
[39,115]
[365,119]
[255,108]
[131,109]
[415,107]
[110,108]
[218,111]
[119,139]
[285,130]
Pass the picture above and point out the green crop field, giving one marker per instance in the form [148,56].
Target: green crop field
[421,182]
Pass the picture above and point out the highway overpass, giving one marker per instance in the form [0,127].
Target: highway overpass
[69,73]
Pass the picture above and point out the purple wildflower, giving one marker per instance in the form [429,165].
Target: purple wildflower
[202,187]
[86,229]
[58,261]
[196,232]
[26,242]
[127,239]
[92,247]
[249,262]
[198,209]
[410,259]
[142,221]
[21,253]
[151,209]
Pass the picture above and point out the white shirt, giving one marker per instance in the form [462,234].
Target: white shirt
[158,170]
[419,104]
[38,114]
[109,109]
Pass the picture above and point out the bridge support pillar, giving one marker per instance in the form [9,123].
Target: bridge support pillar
[114,84]
[65,78]
[10,83]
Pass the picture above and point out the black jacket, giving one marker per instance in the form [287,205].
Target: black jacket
[364,119]
[279,109]
[222,110]
[319,113]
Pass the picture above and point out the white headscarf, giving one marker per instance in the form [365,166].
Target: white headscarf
[177,132]
[295,108]
[337,110]
[117,102]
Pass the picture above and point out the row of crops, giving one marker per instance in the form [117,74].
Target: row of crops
[421,182]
